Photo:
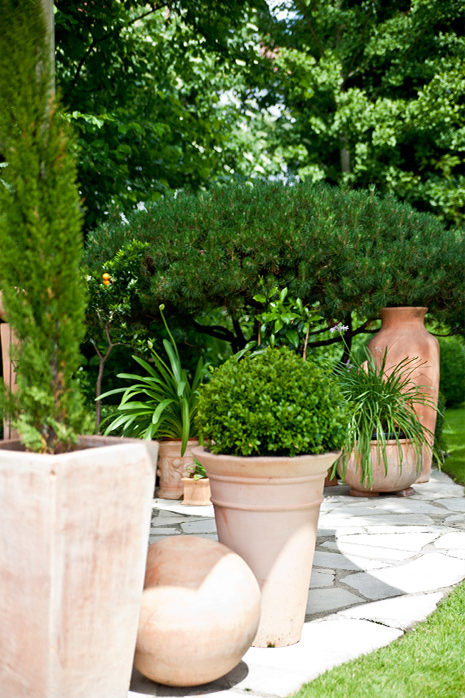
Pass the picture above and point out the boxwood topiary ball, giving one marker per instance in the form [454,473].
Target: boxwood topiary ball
[199,614]
[272,404]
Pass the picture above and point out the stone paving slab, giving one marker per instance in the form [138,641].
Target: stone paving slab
[381,566]
[401,612]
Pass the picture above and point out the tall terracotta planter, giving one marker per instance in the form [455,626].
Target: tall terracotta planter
[172,467]
[7,340]
[73,547]
[398,478]
[404,335]
[266,510]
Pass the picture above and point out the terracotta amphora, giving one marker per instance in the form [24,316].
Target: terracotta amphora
[172,467]
[404,335]
[266,510]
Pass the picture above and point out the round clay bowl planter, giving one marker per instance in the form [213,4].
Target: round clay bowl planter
[199,613]
[196,492]
[172,467]
[266,510]
[398,477]
[404,335]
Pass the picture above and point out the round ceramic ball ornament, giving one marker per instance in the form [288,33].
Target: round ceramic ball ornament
[199,614]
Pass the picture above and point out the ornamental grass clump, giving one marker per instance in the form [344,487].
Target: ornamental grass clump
[383,400]
[271,404]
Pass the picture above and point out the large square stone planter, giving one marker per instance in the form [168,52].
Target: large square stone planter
[73,545]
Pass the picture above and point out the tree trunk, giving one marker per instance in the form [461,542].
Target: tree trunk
[47,8]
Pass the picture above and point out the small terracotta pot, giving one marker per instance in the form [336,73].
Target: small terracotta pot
[398,477]
[196,492]
[266,510]
[172,467]
[404,334]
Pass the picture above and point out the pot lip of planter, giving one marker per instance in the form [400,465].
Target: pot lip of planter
[191,479]
[391,442]
[87,446]
[266,466]
[404,307]
[259,460]
[175,443]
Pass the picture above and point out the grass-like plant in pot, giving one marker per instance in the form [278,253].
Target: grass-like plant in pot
[385,442]
[162,404]
[75,510]
[272,424]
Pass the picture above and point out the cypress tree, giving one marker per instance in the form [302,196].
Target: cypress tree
[40,236]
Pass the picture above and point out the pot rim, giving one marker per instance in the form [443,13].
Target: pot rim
[258,460]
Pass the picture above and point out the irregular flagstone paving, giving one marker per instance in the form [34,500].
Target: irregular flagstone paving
[381,565]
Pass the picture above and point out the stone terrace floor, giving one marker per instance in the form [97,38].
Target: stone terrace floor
[381,565]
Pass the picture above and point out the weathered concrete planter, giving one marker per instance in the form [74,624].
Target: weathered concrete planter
[266,510]
[73,547]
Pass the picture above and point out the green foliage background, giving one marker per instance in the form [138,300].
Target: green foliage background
[365,93]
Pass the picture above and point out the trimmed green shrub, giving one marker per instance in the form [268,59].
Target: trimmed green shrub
[40,236]
[271,403]
[350,252]
[452,367]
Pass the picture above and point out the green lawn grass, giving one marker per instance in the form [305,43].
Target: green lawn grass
[428,661]
[454,437]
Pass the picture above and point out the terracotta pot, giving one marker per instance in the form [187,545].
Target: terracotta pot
[172,467]
[2,308]
[7,341]
[404,334]
[397,479]
[73,547]
[266,510]
[199,613]
[196,492]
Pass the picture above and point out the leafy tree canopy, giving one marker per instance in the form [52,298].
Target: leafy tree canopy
[143,84]
[374,93]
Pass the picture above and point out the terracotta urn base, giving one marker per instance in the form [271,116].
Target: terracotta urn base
[199,614]
[172,467]
[266,510]
[196,492]
[399,477]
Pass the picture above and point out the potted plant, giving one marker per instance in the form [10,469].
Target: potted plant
[385,440]
[271,425]
[196,485]
[75,514]
[403,335]
[162,405]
